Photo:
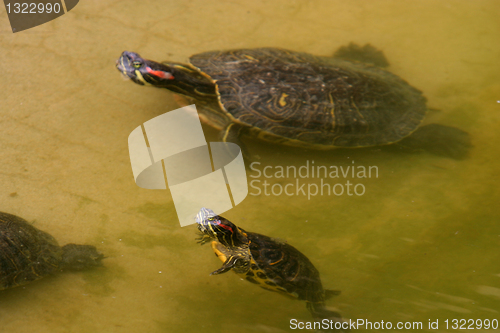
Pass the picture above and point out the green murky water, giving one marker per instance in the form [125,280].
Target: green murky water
[421,243]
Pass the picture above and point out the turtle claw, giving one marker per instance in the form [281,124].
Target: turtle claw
[227,266]
[203,239]
[221,270]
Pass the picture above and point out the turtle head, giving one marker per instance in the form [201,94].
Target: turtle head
[142,71]
[177,77]
[217,227]
[79,257]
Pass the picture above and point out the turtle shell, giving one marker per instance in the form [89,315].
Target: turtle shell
[280,267]
[305,100]
[26,253]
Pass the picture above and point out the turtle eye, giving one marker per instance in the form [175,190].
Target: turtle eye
[136,63]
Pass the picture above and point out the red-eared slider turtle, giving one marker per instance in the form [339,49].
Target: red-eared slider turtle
[28,254]
[301,100]
[272,264]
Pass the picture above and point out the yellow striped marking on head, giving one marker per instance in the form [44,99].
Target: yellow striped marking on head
[141,78]
[123,65]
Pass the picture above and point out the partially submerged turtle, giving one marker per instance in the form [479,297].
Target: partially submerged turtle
[301,100]
[28,254]
[272,264]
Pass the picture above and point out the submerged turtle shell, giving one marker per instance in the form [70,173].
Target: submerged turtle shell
[280,267]
[26,253]
[312,101]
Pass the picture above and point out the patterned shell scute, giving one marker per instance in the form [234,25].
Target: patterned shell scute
[317,100]
[285,267]
[26,253]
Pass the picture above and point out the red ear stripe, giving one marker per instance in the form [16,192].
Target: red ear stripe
[224,226]
[160,74]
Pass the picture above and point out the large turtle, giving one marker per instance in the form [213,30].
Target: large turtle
[272,264]
[301,100]
[28,254]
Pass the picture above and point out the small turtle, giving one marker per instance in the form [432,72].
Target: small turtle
[302,100]
[270,263]
[28,254]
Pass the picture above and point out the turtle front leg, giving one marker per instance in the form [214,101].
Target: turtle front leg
[232,133]
[366,54]
[203,239]
[226,266]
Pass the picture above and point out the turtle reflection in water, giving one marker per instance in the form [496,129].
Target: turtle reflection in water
[28,254]
[301,100]
[271,264]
